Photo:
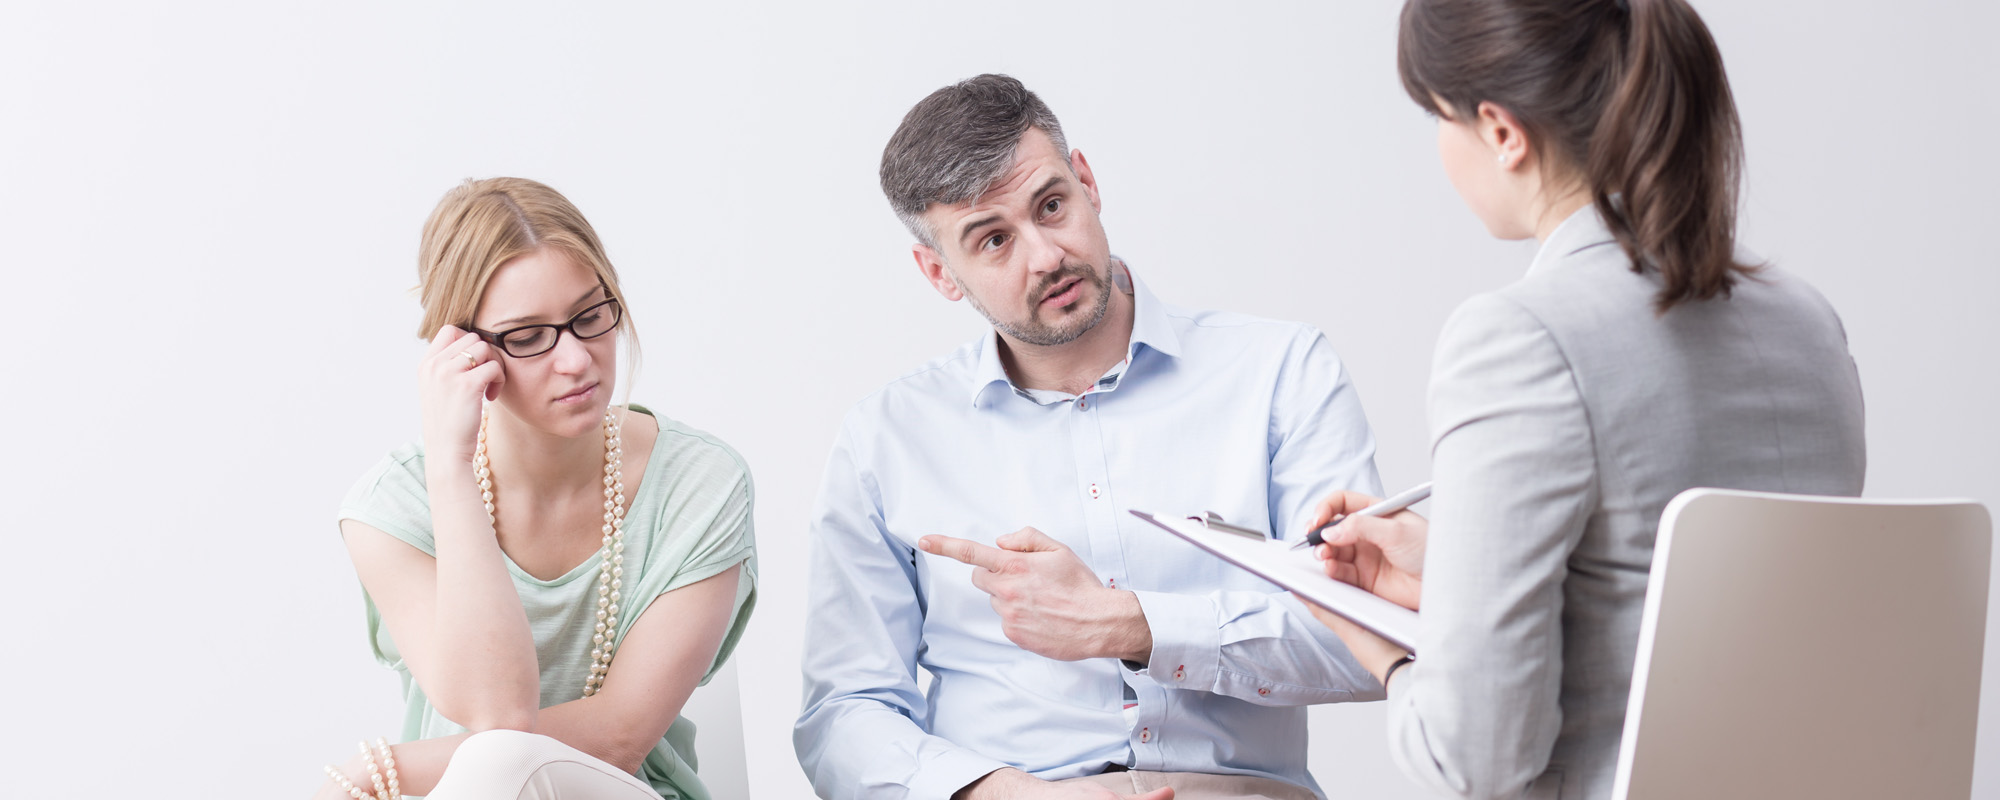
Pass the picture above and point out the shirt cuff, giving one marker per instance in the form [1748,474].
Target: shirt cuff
[1187,641]
[951,771]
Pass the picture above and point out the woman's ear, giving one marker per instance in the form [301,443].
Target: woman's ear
[1504,135]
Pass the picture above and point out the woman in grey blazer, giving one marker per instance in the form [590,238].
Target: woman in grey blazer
[1642,355]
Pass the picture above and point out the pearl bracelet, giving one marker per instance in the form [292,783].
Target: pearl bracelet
[387,785]
[389,767]
[374,772]
[334,773]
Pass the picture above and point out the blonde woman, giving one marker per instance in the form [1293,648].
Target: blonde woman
[552,575]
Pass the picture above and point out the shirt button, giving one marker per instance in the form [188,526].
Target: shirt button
[1145,735]
[1180,673]
[1264,692]
[1082,403]
[1095,492]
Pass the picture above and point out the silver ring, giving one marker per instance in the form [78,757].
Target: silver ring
[469,358]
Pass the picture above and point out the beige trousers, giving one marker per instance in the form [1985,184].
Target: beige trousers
[511,765]
[1199,786]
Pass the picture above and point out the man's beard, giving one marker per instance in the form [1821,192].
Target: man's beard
[1036,332]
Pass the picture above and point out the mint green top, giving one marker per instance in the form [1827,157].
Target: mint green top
[689,520]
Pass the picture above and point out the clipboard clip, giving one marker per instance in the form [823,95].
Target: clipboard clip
[1214,522]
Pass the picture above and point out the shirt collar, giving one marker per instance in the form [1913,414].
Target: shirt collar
[1583,230]
[1149,327]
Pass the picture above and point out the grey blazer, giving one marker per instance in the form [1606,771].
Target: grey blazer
[1565,414]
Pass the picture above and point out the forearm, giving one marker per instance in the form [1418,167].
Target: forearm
[1000,784]
[603,727]
[484,653]
[592,724]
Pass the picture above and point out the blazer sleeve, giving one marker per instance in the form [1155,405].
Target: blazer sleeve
[1515,468]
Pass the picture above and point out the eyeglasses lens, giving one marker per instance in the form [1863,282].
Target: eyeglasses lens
[596,321]
[528,341]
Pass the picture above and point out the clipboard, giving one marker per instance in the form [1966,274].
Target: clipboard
[1294,570]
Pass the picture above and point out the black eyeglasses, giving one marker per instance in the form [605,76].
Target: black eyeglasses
[534,340]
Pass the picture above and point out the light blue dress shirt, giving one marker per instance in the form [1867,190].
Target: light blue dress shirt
[1253,419]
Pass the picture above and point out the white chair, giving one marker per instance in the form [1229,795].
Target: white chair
[1809,647]
[717,713]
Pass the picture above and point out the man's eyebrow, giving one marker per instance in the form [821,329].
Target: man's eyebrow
[573,303]
[982,222]
[975,225]
[1050,184]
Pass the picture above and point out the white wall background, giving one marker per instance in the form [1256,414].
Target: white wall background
[210,213]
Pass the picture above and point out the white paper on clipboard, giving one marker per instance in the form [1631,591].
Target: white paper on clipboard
[1299,572]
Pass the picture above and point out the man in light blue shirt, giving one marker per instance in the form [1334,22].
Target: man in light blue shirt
[973,521]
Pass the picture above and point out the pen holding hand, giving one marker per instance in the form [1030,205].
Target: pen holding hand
[1382,554]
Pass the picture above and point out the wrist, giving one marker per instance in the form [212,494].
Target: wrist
[450,479]
[1001,784]
[1385,660]
[453,457]
[1395,666]
[1128,635]
[356,774]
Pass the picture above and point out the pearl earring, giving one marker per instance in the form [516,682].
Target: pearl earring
[1503,159]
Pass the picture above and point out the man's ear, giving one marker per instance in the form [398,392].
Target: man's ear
[1505,135]
[1081,167]
[932,266]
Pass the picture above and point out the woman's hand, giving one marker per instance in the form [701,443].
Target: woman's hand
[458,371]
[1384,555]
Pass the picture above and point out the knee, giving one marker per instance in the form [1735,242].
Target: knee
[502,752]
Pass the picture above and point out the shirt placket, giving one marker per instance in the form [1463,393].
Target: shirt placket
[1107,550]
[1093,471]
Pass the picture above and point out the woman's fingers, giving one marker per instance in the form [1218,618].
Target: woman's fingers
[1338,504]
[444,336]
[449,355]
[475,353]
[1355,530]
[499,376]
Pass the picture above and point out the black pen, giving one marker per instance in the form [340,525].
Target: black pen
[1392,505]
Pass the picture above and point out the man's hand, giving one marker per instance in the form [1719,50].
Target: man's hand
[1384,555]
[1013,784]
[1049,602]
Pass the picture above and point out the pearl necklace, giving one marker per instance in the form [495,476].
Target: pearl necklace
[611,569]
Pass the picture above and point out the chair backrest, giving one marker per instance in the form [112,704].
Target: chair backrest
[717,713]
[1809,647]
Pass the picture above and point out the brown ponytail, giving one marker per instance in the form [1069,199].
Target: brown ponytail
[1630,92]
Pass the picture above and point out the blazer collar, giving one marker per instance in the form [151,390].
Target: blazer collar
[1583,230]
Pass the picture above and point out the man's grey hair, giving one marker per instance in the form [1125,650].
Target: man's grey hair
[957,143]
